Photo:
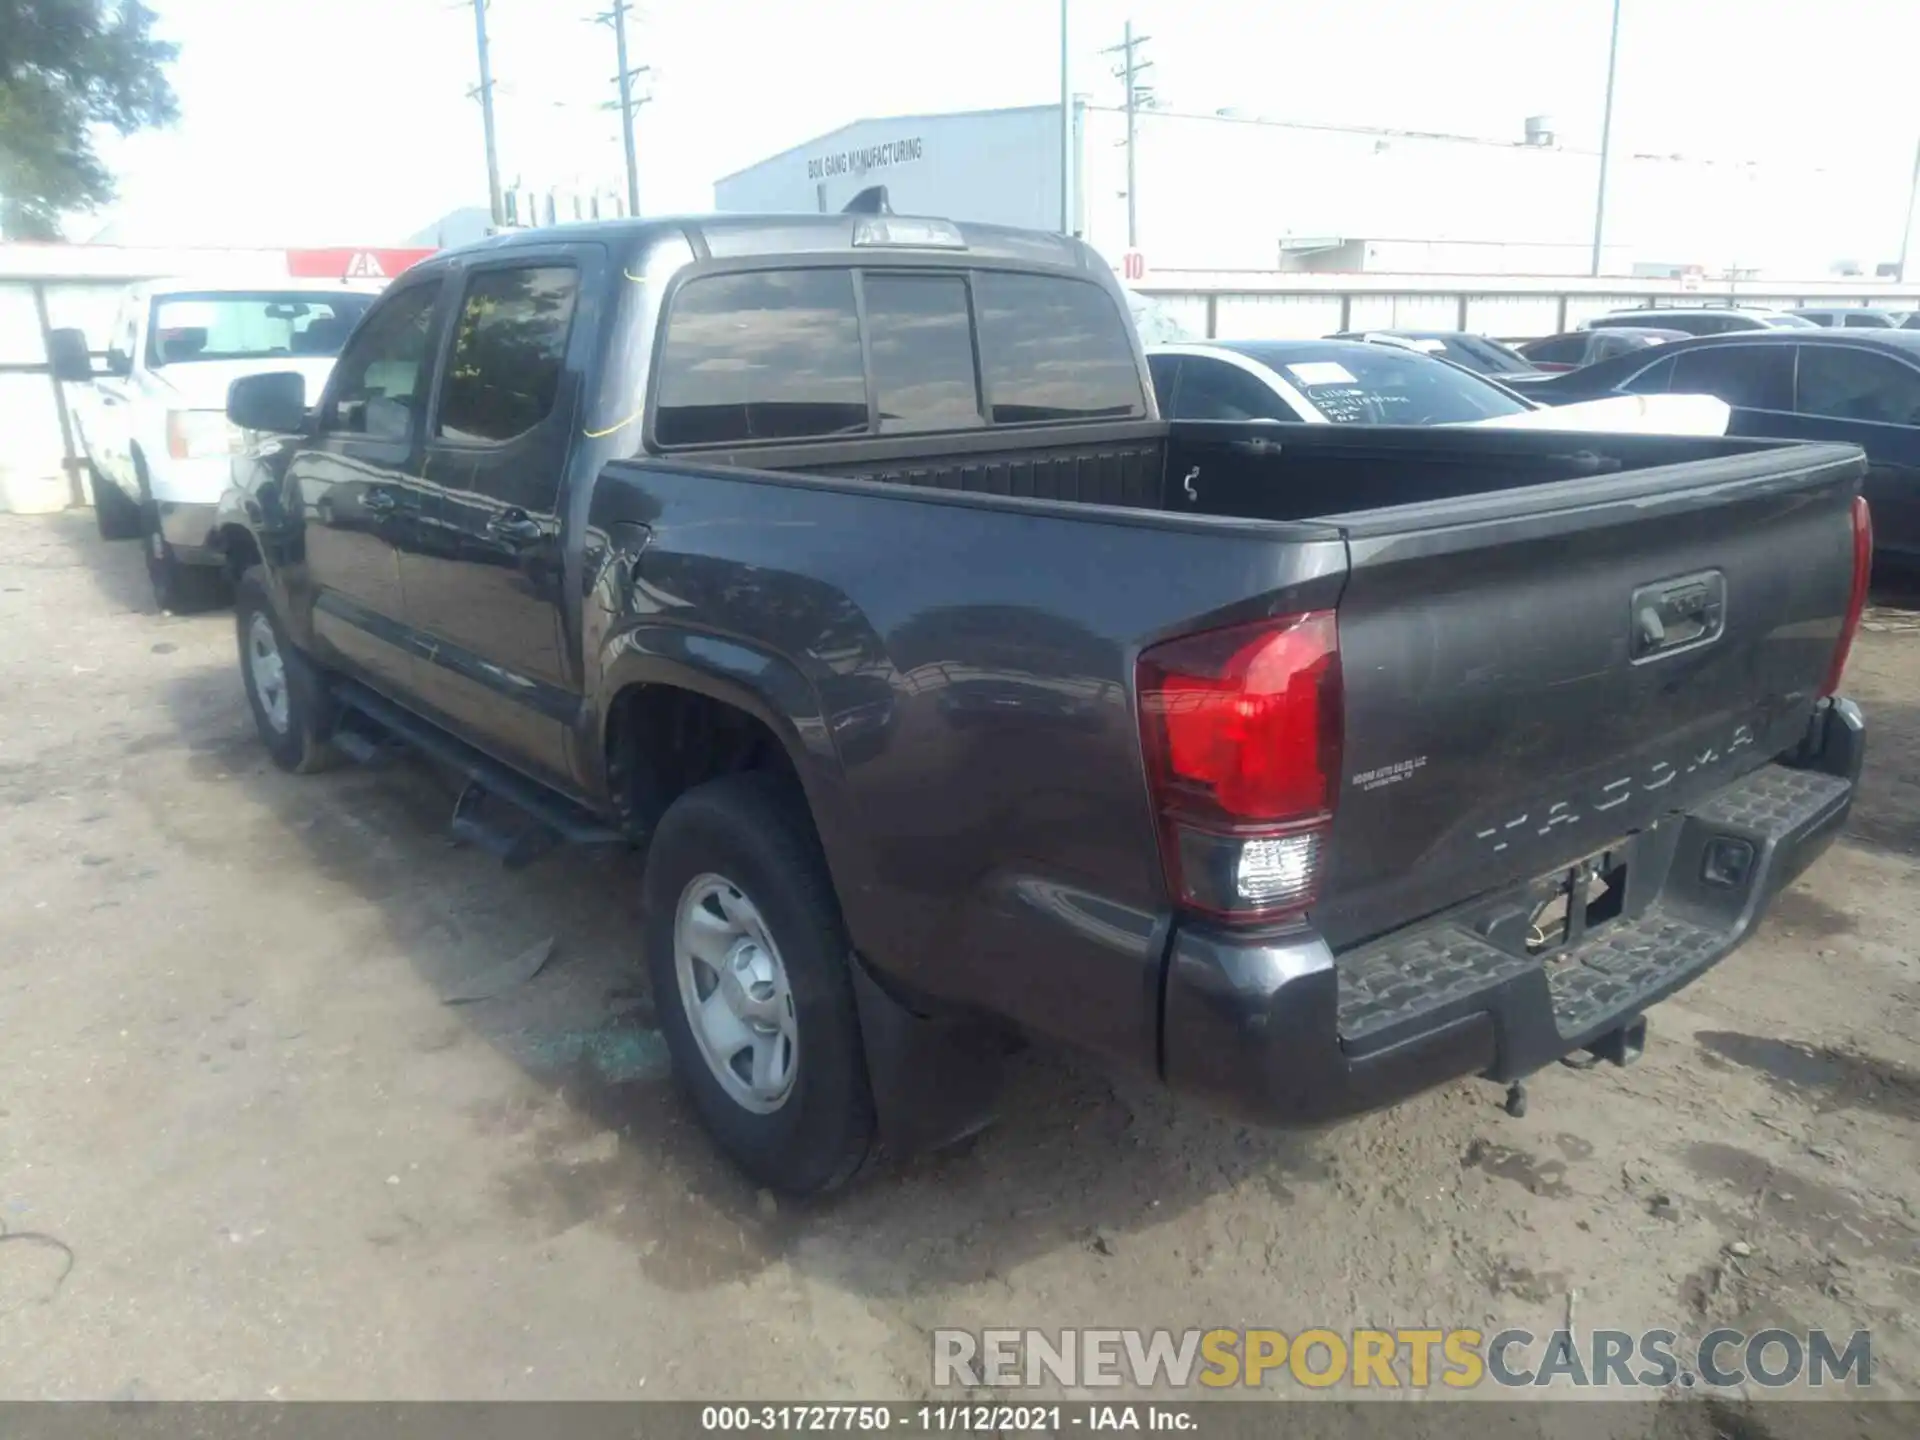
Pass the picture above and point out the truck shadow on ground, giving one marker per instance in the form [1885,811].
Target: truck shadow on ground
[1077,1159]
[1827,1077]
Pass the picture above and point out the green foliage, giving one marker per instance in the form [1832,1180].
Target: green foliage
[67,66]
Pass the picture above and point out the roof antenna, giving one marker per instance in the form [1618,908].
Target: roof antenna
[870,201]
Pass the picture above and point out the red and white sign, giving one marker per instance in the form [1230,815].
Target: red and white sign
[351,264]
[1133,267]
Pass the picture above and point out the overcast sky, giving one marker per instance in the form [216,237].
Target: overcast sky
[346,121]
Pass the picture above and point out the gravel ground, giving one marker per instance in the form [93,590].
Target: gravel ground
[265,1158]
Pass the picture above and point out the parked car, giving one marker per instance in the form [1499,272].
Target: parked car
[1472,352]
[1858,317]
[1707,320]
[1345,382]
[844,563]
[1861,387]
[1555,354]
[151,425]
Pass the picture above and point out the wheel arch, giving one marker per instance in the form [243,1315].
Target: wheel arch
[681,709]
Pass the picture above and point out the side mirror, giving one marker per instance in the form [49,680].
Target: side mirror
[276,402]
[69,357]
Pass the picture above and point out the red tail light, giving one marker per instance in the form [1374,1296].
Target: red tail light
[1241,731]
[1857,599]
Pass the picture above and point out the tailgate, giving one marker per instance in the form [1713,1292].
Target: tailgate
[1532,674]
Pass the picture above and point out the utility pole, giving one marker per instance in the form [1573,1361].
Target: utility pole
[1138,95]
[617,18]
[484,92]
[1906,235]
[1606,143]
[1066,131]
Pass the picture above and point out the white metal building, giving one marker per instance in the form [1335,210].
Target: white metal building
[1230,192]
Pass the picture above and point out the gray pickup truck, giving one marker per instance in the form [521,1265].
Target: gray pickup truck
[844,564]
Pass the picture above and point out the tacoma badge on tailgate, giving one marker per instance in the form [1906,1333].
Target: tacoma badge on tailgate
[1681,614]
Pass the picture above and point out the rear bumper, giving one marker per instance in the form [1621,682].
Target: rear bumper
[1279,1031]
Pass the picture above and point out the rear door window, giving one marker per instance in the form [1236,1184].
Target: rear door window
[768,355]
[1164,371]
[1651,381]
[1215,390]
[1054,349]
[921,336]
[1842,383]
[1747,377]
[508,352]
[1561,350]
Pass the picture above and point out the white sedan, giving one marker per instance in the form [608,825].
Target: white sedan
[1349,382]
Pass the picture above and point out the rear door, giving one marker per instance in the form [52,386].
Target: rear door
[1510,708]
[484,585]
[1869,398]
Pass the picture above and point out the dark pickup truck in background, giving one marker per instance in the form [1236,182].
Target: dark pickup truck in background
[844,563]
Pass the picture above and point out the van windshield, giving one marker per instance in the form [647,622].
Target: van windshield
[255,325]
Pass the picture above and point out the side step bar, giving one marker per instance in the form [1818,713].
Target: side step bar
[561,820]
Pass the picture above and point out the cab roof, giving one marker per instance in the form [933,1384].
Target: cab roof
[731,236]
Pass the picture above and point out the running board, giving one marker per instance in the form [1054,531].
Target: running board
[474,822]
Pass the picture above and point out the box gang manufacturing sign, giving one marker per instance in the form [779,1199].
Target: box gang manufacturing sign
[864,158]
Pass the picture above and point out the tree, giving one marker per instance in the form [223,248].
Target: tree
[67,66]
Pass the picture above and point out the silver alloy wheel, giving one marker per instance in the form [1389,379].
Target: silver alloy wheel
[269,671]
[733,987]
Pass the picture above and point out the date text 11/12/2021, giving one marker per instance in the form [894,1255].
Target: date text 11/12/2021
[934,1419]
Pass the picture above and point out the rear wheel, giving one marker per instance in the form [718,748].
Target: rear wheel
[118,517]
[748,958]
[285,690]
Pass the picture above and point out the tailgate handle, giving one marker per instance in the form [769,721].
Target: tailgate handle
[1681,614]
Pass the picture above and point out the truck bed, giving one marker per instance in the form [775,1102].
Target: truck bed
[1254,472]
[967,662]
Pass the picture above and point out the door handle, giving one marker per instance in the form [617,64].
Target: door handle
[379,502]
[513,525]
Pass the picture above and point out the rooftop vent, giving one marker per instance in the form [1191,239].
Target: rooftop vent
[1539,131]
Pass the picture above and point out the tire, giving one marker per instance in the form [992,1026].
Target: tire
[118,517]
[751,834]
[178,589]
[296,732]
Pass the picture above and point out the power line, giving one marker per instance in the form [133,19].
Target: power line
[1139,97]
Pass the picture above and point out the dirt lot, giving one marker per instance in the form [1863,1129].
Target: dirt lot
[267,1159]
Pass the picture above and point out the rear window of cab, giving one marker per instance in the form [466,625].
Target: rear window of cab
[782,355]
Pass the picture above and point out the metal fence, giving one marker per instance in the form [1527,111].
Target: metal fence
[1295,307]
